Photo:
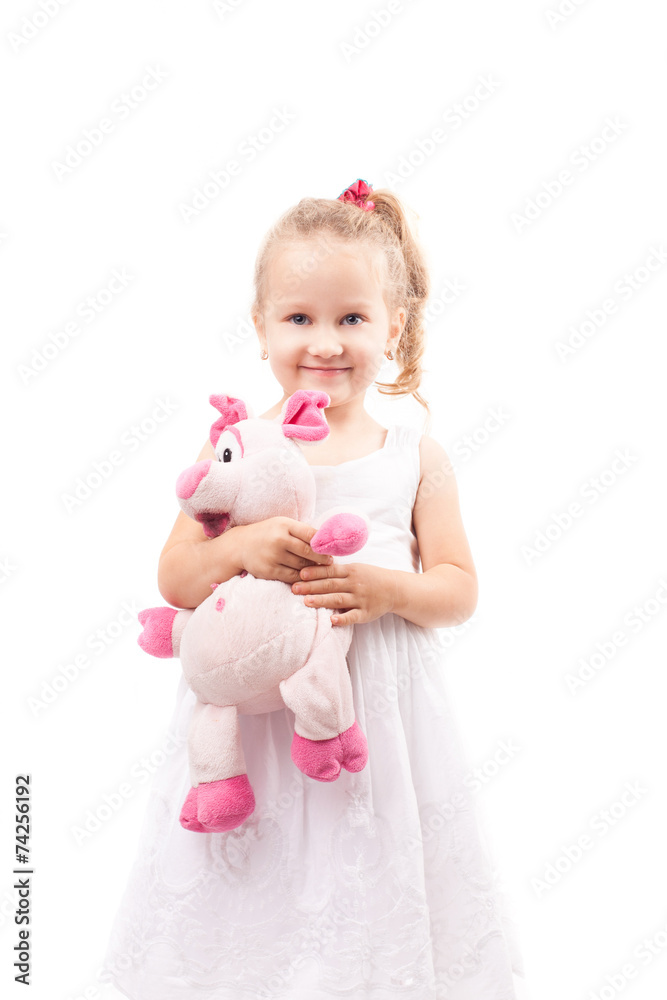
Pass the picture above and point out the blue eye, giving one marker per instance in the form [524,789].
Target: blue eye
[296,316]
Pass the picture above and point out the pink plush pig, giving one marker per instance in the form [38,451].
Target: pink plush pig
[253,646]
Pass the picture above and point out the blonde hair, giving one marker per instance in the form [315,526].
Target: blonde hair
[386,228]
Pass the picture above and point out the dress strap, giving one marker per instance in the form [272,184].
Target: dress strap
[405,447]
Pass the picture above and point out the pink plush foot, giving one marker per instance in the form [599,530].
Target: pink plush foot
[224,804]
[340,535]
[188,817]
[355,748]
[156,636]
[323,759]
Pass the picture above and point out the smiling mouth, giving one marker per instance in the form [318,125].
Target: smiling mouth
[312,369]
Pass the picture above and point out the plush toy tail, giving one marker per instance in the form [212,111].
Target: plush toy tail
[163,628]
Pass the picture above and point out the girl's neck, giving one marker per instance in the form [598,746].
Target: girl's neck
[352,433]
[347,419]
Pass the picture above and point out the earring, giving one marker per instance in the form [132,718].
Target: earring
[264,355]
[389,355]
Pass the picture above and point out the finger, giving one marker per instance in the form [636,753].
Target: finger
[315,586]
[311,573]
[306,557]
[302,547]
[318,585]
[293,562]
[296,562]
[345,617]
[321,572]
[320,558]
[288,574]
[327,600]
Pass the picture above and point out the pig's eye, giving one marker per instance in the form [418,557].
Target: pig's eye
[228,448]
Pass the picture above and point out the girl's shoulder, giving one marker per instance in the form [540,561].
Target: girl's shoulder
[434,462]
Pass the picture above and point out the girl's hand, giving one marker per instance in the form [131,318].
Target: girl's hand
[277,548]
[358,591]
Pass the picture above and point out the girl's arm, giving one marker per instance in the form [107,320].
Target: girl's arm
[190,562]
[274,549]
[445,593]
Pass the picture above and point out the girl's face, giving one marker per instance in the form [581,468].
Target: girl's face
[325,311]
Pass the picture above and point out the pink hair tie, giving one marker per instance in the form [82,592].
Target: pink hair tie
[358,193]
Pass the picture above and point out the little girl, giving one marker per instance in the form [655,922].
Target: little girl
[379,884]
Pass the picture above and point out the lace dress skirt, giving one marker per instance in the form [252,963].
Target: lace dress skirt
[378,885]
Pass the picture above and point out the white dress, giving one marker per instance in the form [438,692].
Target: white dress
[377,885]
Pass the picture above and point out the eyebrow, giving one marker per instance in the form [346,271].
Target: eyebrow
[304,308]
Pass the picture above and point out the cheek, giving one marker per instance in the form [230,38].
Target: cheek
[369,364]
[373,350]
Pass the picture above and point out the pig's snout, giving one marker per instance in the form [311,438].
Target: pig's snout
[189,479]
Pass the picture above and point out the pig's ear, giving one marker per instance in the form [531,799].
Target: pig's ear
[232,411]
[302,416]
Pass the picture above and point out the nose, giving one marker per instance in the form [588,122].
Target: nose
[190,478]
[324,344]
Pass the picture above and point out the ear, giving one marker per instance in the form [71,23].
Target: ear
[302,416]
[232,411]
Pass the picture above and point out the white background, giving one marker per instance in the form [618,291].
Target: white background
[169,335]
